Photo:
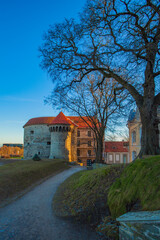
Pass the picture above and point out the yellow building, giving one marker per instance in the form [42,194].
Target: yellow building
[135,133]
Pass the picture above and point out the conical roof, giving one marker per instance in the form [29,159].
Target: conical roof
[61,119]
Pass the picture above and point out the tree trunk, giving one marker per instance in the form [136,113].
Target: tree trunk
[99,149]
[148,110]
[149,119]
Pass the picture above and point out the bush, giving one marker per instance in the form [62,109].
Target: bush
[36,158]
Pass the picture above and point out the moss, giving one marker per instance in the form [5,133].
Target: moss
[139,181]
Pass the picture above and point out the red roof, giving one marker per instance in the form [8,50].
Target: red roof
[60,119]
[39,120]
[116,146]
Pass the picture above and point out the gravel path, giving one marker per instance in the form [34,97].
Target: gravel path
[31,216]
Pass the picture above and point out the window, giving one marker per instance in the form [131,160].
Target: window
[110,157]
[140,134]
[89,133]
[124,158]
[48,143]
[89,153]
[39,153]
[117,157]
[28,143]
[133,136]
[78,143]
[78,133]
[31,132]
[89,143]
[78,152]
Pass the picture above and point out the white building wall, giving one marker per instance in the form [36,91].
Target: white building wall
[107,157]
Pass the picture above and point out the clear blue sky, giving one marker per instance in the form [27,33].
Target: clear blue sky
[23,84]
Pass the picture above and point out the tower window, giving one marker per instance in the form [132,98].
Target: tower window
[89,143]
[133,136]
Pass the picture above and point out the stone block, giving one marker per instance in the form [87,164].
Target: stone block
[139,225]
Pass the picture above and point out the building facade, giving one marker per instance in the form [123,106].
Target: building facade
[116,152]
[62,137]
[135,132]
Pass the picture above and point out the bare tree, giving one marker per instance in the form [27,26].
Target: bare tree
[96,103]
[119,39]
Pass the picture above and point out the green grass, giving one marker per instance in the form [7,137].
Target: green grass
[140,181]
[84,194]
[16,177]
[99,196]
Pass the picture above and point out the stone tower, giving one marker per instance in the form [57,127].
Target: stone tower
[61,134]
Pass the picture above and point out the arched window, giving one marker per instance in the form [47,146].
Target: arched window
[63,129]
[133,136]
[60,129]
[134,155]
[53,129]
[67,129]
[56,129]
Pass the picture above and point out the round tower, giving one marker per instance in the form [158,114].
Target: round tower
[60,129]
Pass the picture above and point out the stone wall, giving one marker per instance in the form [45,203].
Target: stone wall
[37,140]
[143,225]
[60,143]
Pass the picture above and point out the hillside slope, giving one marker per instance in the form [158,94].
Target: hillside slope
[97,197]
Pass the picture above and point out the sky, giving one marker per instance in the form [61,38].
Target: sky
[23,84]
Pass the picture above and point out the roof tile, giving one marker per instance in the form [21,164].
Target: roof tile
[116,146]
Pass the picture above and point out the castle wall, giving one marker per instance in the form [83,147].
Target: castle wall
[37,140]
[60,143]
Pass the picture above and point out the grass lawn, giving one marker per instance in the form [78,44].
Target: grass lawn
[139,183]
[16,177]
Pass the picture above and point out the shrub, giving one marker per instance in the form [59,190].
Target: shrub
[36,158]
